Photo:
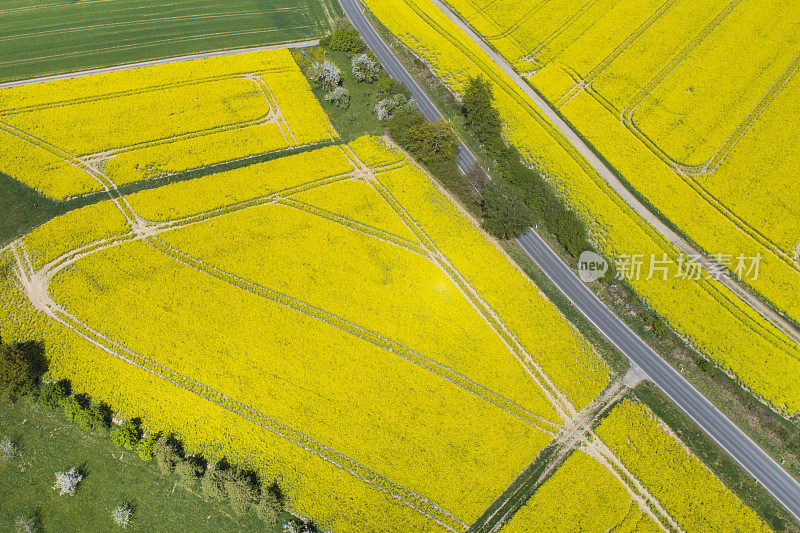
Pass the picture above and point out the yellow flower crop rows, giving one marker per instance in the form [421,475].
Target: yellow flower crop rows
[195,196]
[689,492]
[157,120]
[582,495]
[374,284]
[42,170]
[305,373]
[688,77]
[194,152]
[569,361]
[689,115]
[74,230]
[102,124]
[360,202]
[738,338]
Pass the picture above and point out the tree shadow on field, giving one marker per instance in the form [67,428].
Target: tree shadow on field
[33,352]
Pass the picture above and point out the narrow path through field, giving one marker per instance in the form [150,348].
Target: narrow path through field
[577,434]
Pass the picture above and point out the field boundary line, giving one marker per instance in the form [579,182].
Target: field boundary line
[638,491]
[419,503]
[270,97]
[162,61]
[630,108]
[108,186]
[270,117]
[531,56]
[381,341]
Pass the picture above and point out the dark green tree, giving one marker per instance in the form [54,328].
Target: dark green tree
[433,143]
[52,394]
[505,215]
[126,436]
[345,38]
[480,116]
[17,372]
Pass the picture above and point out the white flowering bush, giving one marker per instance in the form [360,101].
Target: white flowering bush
[325,74]
[25,524]
[122,515]
[388,106]
[365,68]
[340,97]
[8,449]
[67,482]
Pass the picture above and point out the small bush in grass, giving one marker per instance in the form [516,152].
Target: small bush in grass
[167,456]
[145,448]
[122,515]
[340,97]
[126,436]
[188,470]
[52,395]
[99,416]
[365,67]
[270,506]
[242,492]
[67,482]
[83,418]
[26,524]
[214,481]
[72,407]
[325,74]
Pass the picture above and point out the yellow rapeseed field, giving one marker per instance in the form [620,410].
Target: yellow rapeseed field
[738,339]
[690,493]
[334,325]
[43,170]
[74,230]
[186,198]
[152,121]
[582,495]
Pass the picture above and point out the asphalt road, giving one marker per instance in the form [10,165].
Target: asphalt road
[746,452]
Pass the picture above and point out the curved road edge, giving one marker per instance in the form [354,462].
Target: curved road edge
[711,420]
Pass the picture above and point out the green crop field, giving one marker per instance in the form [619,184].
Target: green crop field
[57,36]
